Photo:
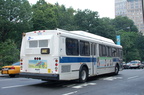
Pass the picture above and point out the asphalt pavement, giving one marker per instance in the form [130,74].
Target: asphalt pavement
[128,82]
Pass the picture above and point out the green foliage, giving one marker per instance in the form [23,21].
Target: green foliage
[105,28]
[18,16]
[86,20]
[9,52]
[65,17]
[128,40]
[15,18]
[43,16]
[124,23]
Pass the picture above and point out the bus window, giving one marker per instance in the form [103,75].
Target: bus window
[109,52]
[93,49]
[43,43]
[72,47]
[114,52]
[33,44]
[100,50]
[103,50]
[84,48]
[38,43]
[120,53]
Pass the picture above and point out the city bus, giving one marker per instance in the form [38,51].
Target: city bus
[55,55]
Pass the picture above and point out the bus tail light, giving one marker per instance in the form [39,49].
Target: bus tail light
[56,60]
[56,65]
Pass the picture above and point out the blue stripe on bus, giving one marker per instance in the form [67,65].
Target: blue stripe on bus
[77,59]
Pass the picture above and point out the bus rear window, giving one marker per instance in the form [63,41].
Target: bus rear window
[38,43]
[43,43]
[33,44]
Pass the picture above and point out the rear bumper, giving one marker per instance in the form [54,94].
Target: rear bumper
[9,72]
[40,76]
[134,66]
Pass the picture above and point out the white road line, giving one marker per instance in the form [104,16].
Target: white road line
[70,93]
[13,86]
[83,85]
[112,78]
[133,77]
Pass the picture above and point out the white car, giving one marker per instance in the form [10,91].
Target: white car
[135,64]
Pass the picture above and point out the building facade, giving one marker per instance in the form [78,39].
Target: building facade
[133,9]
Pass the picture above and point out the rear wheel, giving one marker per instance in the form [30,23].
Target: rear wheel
[83,75]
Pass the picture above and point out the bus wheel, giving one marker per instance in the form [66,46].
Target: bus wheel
[116,70]
[83,75]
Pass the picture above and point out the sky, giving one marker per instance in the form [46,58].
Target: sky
[105,8]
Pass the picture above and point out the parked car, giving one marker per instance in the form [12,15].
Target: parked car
[126,65]
[142,64]
[12,70]
[135,64]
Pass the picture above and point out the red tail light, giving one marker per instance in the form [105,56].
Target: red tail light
[12,68]
[56,64]
[21,63]
[56,60]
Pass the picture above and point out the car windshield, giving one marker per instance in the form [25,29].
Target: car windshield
[16,64]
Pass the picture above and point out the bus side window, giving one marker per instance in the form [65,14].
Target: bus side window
[84,48]
[120,53]
[109,52]
[72,46]
[100,50]
[103,50]
[114,52]
[95,48]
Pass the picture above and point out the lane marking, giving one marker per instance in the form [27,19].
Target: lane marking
[70,93]
[133,77]
[13,86]
[82,85]
[112,78]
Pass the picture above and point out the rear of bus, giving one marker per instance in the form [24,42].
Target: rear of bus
[38,55]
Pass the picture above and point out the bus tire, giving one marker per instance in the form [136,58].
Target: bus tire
[83,75]
[116,70]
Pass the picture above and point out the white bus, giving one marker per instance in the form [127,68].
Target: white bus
[55,55]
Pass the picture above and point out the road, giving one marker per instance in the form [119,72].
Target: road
[128,82]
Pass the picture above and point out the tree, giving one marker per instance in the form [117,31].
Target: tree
[87,20]
[9,52]
[129,43]
[106,29]
[43,16]
[15,18]
[65,17]
[124,23]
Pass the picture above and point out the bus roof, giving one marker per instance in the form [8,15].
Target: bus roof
[83,33]
[80,33]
